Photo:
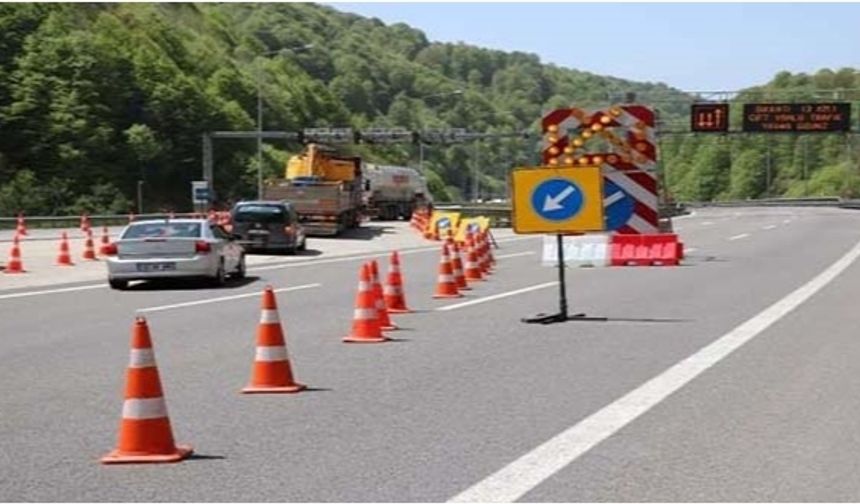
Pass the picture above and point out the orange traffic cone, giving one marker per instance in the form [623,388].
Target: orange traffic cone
[105,246]
[489,248]
[64,258]
[365,322]
[473,268]
[481,251]
[272,372]
[145,434]
[457,263]
[21,228]
[15,265]
[430,231]
[89,248]
[392,291]
[446,286]
[382,312]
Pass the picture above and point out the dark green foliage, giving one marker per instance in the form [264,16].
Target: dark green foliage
[96,97]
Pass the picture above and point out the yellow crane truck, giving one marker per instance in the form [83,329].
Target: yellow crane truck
[326,190]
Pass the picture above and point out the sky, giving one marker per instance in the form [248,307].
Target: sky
[690,46]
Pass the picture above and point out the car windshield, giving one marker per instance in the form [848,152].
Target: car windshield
[264,214]
[163,230]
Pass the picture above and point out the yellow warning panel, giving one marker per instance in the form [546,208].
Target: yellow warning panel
[474,224]
[441,222]
[557,200]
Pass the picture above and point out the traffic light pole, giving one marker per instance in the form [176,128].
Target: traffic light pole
[562,315]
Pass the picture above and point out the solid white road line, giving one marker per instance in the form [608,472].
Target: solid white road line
[496,296]
[312,262]
[768,228]
[707,223]
[373,255]
[520,476]
[691,249]
[787,221]
[220,299]
[739,237]
[518,254]
[53,291]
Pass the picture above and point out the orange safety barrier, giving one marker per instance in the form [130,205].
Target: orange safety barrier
[645,250]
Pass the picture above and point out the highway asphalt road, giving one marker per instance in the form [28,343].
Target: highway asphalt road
[734,377]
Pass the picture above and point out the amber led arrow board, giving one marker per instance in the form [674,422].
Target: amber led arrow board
[709,117]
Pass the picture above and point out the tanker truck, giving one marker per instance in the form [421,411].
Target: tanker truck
[394,191]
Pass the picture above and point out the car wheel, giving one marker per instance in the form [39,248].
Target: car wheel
[118,284]
[240,269]
[220,278]
[304,245]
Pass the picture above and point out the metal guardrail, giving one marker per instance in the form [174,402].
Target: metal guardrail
[825,201]
[500,214]
[72,221]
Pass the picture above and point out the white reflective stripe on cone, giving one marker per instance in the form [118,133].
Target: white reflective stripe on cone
[446,278]
[143,409]
[364,286]
[141,358]
[269,317]
[272,353]
[364,313]
[390,290]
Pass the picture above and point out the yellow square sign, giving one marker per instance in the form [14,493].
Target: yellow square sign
[557,200]
[473,224]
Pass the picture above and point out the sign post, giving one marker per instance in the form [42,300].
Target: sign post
[559,201]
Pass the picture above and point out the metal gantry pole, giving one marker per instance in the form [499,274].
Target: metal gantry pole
[768,172]
[806,165]
[259,134]
[475,182]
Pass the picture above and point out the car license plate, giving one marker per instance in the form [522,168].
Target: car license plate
[259,232]
[149,267]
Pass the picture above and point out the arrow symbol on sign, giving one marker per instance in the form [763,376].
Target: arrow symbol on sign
[554,202]
[616,196]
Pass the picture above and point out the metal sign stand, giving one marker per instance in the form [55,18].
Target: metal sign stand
[562,315]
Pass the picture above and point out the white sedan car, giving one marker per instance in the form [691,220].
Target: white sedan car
[172,248]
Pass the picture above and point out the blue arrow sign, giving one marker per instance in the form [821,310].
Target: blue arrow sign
[618,206]
[557,199]
[444,222]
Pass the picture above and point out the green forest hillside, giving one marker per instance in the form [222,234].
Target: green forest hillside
[94,97]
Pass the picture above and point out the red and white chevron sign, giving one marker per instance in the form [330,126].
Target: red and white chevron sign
[629,170]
